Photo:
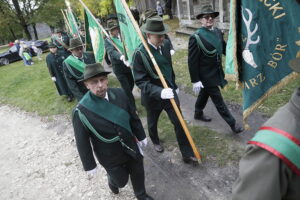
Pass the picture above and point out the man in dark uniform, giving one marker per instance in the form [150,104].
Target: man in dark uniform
[154,97]
[121,67]
[206,47]
[270,167]
[74,65]
[54,63]
[62,42]
[106,123]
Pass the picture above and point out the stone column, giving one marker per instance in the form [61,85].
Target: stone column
[190,9]
[179,9]
[221,11]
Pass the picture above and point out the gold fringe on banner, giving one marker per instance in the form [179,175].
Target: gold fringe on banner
[273,89]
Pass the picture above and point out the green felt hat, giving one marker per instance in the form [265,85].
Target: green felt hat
[206,10]
[52,45]
[112,24]
[92,70]
[155,25]
[74,43]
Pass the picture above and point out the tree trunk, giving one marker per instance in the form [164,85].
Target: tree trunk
[12,33]
[21,18]
[35,31]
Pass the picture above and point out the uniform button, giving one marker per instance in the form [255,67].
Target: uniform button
[119,133]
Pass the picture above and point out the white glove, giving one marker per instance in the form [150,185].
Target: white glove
[177,90]
[91,173]
[172,52]
[127,63]
[122,57]
[143,143]
[197,87]
[53,79]
[167,93]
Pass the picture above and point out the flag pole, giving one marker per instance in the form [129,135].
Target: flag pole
[73,18]
[103,29]
[66,21]
[178,113]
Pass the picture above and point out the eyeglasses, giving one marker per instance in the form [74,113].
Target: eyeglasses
[208,16]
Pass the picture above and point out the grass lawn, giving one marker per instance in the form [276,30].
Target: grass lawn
[32,89]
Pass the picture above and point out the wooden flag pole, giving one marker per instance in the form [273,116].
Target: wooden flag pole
[103,29]
[178,113]
[66,21]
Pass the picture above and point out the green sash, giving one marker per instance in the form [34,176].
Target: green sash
[106,110]
[279,143]
[212,38]
[76,63]
[163,63]
[119,44]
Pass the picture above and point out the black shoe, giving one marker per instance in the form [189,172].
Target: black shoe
[146,197]
[70,98]
[158,148]
[190,160]
[114,189]
[237,128]
[202,118]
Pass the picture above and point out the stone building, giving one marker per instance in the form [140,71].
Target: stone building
[186,10]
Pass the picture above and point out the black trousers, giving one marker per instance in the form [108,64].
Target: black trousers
[127,83]
[216,97]
[152,119]
[118,176]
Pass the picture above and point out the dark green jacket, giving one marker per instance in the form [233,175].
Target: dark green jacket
[78,88]
[114,55]
[148,82]
[262,175]
[108,154]
[55,67]
[203,68]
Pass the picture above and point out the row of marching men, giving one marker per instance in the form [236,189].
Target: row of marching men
[107,126]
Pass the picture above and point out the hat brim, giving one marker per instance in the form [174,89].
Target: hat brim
[166,30]
[109,29]
[97,74]
[295,65]
[71,48]
[216,14]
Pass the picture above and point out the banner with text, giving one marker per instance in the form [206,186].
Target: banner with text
[266,37]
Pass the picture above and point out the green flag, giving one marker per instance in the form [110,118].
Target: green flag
[129,35]
[267,38]
[94,36]
[72,22]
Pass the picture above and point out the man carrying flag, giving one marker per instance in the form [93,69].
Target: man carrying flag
[270,167]
[74,66]
[206,47]
[155,98]
[121,66]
